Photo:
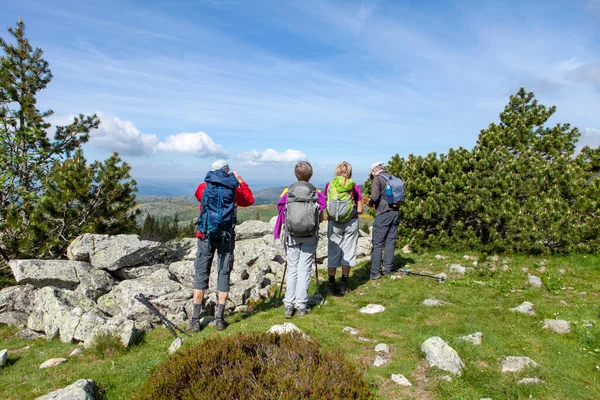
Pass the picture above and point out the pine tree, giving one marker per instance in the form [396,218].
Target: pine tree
[43,178]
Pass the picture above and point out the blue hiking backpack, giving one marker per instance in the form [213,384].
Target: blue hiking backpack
[218,204]
[394,190]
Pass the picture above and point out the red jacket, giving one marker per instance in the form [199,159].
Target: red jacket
[243,198]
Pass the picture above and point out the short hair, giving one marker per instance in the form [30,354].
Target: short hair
[303,171]
[344,169]
[378,167]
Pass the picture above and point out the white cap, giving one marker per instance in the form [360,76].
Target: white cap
[377,166]
[220,164]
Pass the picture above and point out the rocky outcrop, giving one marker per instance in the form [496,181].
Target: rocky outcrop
[92,293]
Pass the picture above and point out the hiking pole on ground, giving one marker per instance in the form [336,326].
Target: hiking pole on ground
[437,278]
[282,279]
[168,324]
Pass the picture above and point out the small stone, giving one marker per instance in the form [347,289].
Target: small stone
[457,269]
[53,362]
[475,263]
[434,303]
[493,258]
[379,361]
[372,309]
[284,328]
[474,338]
[534,281]
[3,357]
[447,378]
[525,269]
[516,364]
[530,381]
[176,345]
[382,348]
[395,276]
[438,257]
[406,249]
[470,258]
[350,330]
[364,339]
[442,277]
[401,380]
[505,268]
[524,308]
[480,283]
[541,270]
[561,271]
[557,325]
[76,352]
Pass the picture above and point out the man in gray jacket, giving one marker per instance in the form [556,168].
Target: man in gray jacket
[385,227]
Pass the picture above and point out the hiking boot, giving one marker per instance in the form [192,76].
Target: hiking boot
[302,312]
[373,277]
[220,324]
[289,312]
[194,325]
[331,289]
[343,287]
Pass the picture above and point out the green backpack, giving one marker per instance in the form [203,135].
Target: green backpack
[340,205]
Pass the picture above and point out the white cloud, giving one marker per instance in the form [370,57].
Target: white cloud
[198,143]
[589,137]
[270,156]
[114,134]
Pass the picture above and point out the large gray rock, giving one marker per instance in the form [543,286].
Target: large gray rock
[252,229]
[120,300]
[439,354]
[28,334]
[534,281]
[83,389]
[40,273]
[66,314]
[516,364]
[119,327]
[111,252]
[93,282]
[372,309]
[286,327]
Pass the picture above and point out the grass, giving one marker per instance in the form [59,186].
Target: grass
[569,364]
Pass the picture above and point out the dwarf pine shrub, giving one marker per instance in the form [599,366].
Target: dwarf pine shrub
[256,366]
[522,188]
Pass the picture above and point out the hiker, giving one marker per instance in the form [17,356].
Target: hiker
[219,195]
[385,226]
[300,211]
[344,203]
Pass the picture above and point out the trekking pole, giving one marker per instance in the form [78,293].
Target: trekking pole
[284,270]
[409,272]
[168,324]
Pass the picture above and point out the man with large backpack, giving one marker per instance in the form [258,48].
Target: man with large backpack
[387,192]
[219,195]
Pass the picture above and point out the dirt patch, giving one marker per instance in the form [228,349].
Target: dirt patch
[420,382]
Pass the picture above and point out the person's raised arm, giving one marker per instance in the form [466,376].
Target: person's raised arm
[243,194]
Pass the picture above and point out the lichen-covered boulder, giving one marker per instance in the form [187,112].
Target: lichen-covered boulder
[40,273]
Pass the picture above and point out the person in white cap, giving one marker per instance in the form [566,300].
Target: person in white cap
[385,226]
[219,195]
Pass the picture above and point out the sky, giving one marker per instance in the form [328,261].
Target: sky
[264,84]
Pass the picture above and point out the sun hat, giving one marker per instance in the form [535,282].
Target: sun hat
[379,164]
[220,164]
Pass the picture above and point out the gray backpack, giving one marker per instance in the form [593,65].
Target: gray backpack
[302,210]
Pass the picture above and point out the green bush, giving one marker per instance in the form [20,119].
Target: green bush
[256,366]
[107,346]
[520,189]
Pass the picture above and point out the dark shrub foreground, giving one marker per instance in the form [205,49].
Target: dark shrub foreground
[256,366]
